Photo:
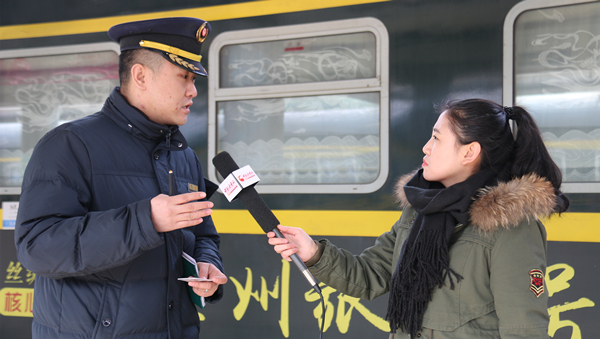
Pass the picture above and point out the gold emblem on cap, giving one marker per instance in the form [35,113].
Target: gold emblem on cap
[202,33]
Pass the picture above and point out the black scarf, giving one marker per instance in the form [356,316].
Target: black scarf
[424,263]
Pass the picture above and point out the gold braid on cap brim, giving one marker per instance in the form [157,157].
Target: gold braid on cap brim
[172,50]
[182,62]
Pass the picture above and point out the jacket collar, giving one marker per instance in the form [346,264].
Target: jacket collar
[504,205]
[139,125]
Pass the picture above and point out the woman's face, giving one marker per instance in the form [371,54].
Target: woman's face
[444,159]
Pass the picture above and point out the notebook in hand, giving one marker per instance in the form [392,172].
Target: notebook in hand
[190,269]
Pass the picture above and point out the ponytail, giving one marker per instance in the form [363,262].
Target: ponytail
[511,143]
[530,155]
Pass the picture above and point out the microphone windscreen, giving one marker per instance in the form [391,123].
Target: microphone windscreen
[258,209]
[225,164]
[253,202]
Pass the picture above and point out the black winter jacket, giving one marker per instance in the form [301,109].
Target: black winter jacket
[84,227]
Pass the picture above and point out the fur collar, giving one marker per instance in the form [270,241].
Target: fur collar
[505,205]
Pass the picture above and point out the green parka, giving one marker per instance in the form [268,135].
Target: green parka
[501,254]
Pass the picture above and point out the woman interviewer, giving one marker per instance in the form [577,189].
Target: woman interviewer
[468,256]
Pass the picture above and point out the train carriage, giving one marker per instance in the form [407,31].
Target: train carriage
[329,102]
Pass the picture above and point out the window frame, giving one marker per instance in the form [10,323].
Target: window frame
[508,70]
[378,83]
[53,51]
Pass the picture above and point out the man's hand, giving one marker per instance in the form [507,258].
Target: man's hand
[208,288]
[179,211]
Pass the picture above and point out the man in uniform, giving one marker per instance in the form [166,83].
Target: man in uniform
[101,221]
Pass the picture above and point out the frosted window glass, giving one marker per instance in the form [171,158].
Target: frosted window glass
[329,139]
[315,59]
[40,93]
[557,78]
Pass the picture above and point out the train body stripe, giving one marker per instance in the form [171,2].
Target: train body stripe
[209,13]
[573,227]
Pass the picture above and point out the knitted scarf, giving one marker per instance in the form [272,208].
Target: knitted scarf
[424,263]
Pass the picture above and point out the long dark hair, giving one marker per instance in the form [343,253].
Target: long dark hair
[511,155]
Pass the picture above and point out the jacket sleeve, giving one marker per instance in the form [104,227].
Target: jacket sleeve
[365,276]
[56,234]
[521,303]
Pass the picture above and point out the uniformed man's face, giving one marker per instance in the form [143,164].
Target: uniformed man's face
[171,90]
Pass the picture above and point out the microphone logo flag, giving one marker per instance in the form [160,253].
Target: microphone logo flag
[238,180]
[246,176]
[230,187]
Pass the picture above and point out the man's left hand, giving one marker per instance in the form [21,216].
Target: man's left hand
[208,288]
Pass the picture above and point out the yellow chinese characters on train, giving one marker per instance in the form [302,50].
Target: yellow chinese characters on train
[280,291]
[17,301]
[344,316]
[557,284]
[348,306]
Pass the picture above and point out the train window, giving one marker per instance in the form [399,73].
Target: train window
[556,76]
[306,106]
[294,61]
[42,88]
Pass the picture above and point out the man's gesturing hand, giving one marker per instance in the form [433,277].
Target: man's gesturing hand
[179,211]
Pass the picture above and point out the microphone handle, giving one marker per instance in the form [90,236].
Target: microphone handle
[300,264]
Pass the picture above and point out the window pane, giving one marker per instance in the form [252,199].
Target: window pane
[557,77]
[39,93]
[327,58]
[330,139]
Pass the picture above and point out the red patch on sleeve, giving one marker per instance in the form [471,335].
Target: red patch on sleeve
[537,282]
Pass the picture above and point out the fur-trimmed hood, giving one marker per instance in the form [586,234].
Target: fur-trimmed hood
[504,205]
